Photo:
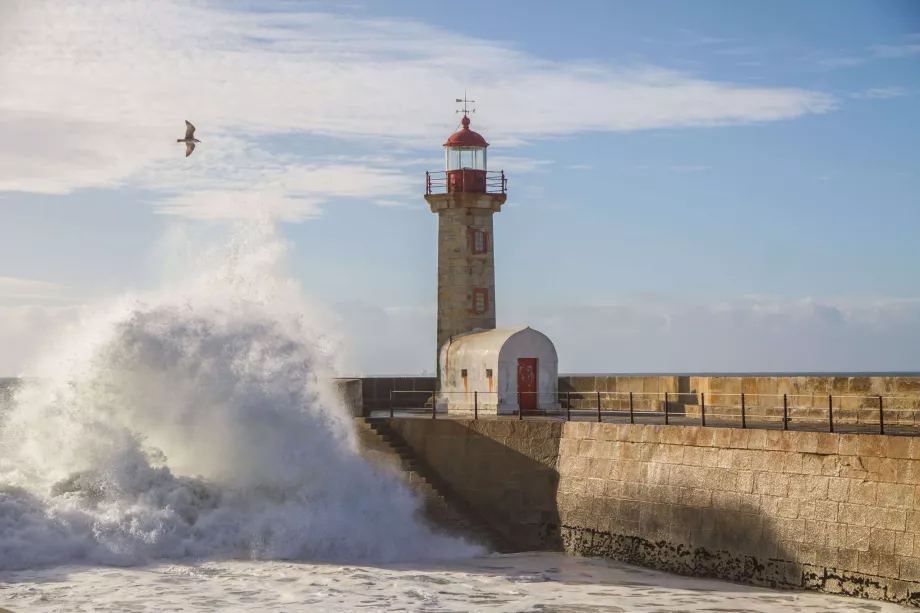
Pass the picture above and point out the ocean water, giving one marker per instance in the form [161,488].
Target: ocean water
[182,449]
[523,583]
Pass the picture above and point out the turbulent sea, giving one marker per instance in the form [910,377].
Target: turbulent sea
[182,450]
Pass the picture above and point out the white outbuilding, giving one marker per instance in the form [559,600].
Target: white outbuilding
[500,371]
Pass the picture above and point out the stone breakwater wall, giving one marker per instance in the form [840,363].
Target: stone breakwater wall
[833,512]
[854,398]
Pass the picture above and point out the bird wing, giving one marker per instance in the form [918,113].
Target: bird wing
[189,130]
[189,147]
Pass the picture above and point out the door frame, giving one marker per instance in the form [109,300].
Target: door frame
[531,404]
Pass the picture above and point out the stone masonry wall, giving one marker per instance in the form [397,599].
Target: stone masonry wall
[350,392]
[806,396]
[379,393]
[584,392]
[855,398]
[505,470]
[797,509]
[852,399]
[832,512]
[460,271]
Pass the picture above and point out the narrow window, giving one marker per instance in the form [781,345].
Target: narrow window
[489,373]
[480,300]
[479,240]
[463,373]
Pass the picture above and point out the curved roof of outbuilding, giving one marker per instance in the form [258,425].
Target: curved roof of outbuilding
[485,340]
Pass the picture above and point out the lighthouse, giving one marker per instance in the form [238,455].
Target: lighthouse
[465,196]
[480,367]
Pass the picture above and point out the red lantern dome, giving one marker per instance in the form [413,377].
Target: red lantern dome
[464,137]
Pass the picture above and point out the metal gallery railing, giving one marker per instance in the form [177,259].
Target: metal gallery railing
[805,411]
[466,180]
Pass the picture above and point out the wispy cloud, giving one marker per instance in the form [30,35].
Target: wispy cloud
[840,62]
[518,164]
[895,51]
[668,168]
[877,52]
[580,167]
[674,334]
[688,167]
[882,93]
[96,92]
[742,51]
[654,333]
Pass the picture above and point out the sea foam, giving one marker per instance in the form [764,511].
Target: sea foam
[198,420]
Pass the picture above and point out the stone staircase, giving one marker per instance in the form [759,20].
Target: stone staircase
[443,508]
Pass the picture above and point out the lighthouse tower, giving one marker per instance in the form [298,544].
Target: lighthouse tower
[465,196]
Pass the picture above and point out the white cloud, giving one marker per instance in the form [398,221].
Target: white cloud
[634,334]
[237,180]
[95,93]
[882,93]
[671,334]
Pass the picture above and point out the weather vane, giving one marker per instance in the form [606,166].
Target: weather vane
[465,110]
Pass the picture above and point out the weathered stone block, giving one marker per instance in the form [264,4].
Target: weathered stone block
[868,563]
[870,445]
[909,569]
[896,495]
[858,538]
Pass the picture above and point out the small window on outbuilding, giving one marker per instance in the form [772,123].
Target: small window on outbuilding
[488,373]
[480,300]
[463,373]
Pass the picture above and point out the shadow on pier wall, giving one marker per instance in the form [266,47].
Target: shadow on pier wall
[505,470]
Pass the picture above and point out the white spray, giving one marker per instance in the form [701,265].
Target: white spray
[198,421]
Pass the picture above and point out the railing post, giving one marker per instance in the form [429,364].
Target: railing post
[520,408]
[702,408]
[881,416]
[666,408]
[785,413]
[568,406]
[475,405]
[743,419]
[632,416]
[830,411]
[434,407]
[598,407]
[392,402]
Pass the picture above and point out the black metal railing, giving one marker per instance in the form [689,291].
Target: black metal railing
[466,181]
[812,412]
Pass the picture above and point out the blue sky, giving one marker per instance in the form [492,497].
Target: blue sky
[706,164]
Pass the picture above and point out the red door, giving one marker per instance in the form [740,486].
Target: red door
[527,384]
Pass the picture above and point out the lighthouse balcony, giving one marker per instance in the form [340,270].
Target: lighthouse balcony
[466,180]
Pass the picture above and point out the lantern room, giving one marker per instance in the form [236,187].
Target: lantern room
[465,149]
[465,167]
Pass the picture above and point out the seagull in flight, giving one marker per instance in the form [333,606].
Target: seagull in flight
[189,139]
